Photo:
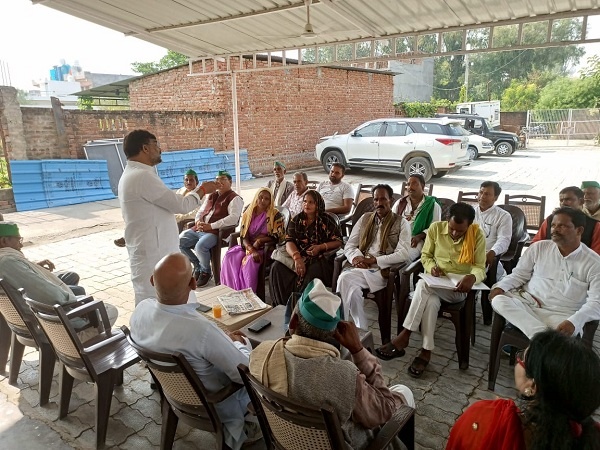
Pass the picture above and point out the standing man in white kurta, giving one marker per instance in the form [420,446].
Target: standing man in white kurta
[148,207]
[556,283]
[379,240]
[495,222]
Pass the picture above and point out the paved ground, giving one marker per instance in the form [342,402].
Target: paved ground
[80,238]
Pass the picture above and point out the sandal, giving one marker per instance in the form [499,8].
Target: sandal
[417,367]
[389,351]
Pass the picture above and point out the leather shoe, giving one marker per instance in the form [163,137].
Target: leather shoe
[203,279]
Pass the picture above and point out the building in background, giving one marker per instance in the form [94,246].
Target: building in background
[414,79]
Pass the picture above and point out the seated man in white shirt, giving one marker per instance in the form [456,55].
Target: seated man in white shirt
[495,222]
[337,194]
[295,200]
[419,210]
[556,283]
[169,324]
[220,209]
[379,240]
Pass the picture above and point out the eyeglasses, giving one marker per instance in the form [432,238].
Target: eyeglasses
[520,357]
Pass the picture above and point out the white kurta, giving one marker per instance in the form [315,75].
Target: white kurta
[353,280]
[567,288]
[414,253]
[496,224]
[148,207]
[211,353]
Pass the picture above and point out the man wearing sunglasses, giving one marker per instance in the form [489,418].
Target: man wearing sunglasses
[556,283]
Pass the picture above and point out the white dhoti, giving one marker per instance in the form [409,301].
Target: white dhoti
[405,392]
[526,314]
[350,285]
[424,309]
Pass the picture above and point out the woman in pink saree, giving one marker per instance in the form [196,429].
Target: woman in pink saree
[261,224]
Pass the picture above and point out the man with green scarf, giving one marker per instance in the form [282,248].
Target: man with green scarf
[419,210]
[379,240]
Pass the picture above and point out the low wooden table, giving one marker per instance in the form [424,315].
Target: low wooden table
[276,331]
[226,322]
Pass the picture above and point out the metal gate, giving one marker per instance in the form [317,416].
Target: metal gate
[563,123]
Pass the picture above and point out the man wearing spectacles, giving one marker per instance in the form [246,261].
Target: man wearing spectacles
[556,283]
[495,222]
[573,197]
[36,278]
[148,207]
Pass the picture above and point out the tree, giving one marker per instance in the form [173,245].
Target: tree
[171,59]
[501,68]
[520,96]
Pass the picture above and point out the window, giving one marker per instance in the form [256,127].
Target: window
[370,130]
[396,129]
[454,129]
[477,124]
[425,127]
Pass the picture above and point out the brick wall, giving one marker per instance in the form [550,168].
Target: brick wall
[7,201]
[40,134]
[513,119]
[282,113]
[175,130]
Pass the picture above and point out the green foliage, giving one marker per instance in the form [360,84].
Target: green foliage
[85,103]
[564,93]
[462,97]
[171,59]
[520,96]
[491,73]
[4,179]
[418,109]
[22,97]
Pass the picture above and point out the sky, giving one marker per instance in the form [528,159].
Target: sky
[33,38]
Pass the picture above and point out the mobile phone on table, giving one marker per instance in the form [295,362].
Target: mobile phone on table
[259,325]
[203,308]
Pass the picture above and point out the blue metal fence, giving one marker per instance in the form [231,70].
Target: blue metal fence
[48,183]
[204,161]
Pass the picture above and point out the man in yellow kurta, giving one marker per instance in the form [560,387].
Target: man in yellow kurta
[456,246]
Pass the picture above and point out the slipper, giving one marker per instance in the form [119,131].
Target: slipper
[417,367]
[388,352]
[120,242]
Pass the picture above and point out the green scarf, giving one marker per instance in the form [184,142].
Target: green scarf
[423,219]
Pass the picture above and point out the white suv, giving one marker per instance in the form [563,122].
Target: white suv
[430,147]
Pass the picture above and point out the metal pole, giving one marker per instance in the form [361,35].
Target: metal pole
[236,136]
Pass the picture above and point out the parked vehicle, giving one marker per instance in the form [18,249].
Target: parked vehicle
[489,110]
[430,147]
[478,145]
[504,142]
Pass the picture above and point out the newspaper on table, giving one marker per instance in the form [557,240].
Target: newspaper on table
[241,302]
[449,281]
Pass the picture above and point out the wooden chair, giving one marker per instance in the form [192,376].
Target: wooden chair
[235,239]
[287,424]
[468,197]
[533,207]
[347,223]
[460,314]
[519,237]
[502,335]
[215,252]
[445,203]
[183,396]
[5,338]
[383,297]
[428,189]
[101,360]
[25,331]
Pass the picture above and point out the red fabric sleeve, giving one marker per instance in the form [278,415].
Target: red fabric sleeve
[488,425]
